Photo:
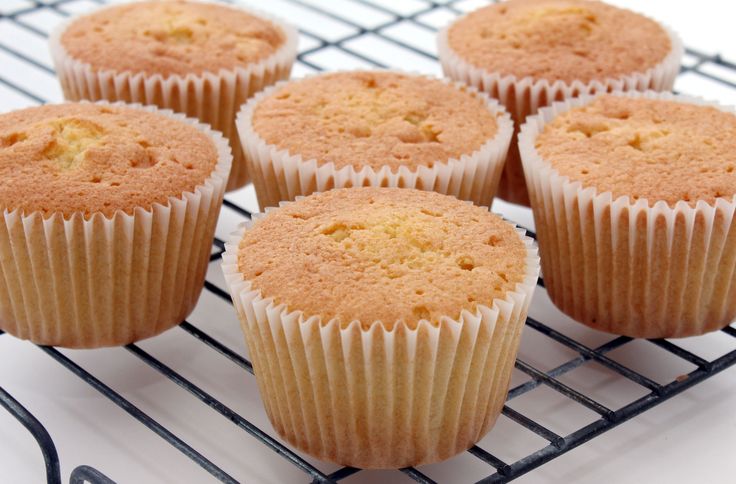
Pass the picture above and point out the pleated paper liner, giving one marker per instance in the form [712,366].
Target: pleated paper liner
[523,97]
[85,283]
[279,175]
[380,398]
[212,97]
[631,267]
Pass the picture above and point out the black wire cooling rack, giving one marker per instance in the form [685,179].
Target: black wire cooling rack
[352,33]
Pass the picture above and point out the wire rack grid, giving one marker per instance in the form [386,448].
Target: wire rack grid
[366,34]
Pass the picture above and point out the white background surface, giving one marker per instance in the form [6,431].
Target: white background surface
[691,438]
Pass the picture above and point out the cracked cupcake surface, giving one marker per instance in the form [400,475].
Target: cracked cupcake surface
[559,40]
[374,119]
[382,254]
[171,38]
[88,158]
[645,148]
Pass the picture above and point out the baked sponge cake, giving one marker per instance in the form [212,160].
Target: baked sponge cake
[566,40]
[108,214]
[89,158]
[380,128]
[382,322]
[633,197]
[529,53]
[202,59]
[170,38]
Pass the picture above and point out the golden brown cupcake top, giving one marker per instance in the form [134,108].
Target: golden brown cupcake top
[89,158]
[559,40]
[374,119]
[382,254]
[644,148]
[170,38]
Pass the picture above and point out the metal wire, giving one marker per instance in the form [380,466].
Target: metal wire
[139,415]
[83,474]
[39,432]
[498,469]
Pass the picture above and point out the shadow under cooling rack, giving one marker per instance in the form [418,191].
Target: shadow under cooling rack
[350,34]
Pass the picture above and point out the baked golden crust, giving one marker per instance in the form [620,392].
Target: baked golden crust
[90,158]
[563,40]
[645,148]
[374,119]
[382,254]
[171,38]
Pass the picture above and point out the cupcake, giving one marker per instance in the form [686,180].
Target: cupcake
[633,197]
[108,212]
[529,53]
[383,323]
[379,128]
[201,59]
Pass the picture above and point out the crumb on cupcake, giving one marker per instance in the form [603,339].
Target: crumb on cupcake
[89,158]
[563,40]
[171,38]
[374,119]
[645,148]
[382,254]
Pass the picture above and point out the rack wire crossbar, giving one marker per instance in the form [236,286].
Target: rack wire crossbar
[308,59]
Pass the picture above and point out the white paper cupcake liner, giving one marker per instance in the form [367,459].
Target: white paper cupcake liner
[377,398]
[101,281]
[212,97]
[525,96]
[626,267]
[279,175]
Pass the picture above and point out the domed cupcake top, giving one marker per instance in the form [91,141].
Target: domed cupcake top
[382,254]
[645,148]
[170,38]
[374,119]
[559,40]
[89,158]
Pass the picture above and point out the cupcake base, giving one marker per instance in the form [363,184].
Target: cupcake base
[627,267]
[87,283]
[374,398]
